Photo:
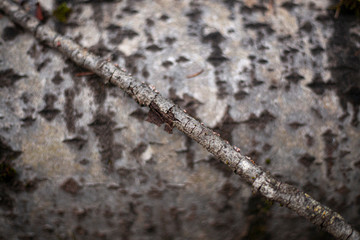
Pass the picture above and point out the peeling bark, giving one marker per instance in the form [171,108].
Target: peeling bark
[165,111]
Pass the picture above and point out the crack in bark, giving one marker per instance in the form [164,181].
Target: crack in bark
[187,124]
[192,129]
[219,150]
[202,129]
[255,182]
[170,109]
[36,29]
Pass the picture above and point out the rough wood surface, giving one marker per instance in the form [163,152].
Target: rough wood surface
[173,116]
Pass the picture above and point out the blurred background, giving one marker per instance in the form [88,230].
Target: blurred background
[278,79]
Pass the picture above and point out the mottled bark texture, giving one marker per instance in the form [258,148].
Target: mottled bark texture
[163,111]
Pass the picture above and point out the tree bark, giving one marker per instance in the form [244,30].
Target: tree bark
[165,111]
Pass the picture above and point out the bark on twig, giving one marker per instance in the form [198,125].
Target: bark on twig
[167,112]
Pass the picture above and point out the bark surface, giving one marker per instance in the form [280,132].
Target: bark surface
[167,113]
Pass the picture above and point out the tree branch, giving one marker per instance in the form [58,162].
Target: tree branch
[173,116]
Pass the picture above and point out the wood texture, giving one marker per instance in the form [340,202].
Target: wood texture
[166,112]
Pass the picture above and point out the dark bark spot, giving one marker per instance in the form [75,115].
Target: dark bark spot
[317,50]
[153,48]
[194,15]
[260,122]
[189,153]
[263,61]
[255,82]
[117,34]
[296,125]
[170,40]
[324,18]
[84,161]
[10,33]
[49,112]
[182,59]
[215,38]
[341,50]
[357,164]
[139,149]
[70,114]
[164,17]
[306,27]
[57,79]
[7,154]
[145,73]
[150,22]
[216,57]
[129,10]
[329,164]
[102,125]
[294,77]
[230,3]
[155,193]
[167,64]
[289,5]
[187,102]
[50,99]
[260,26]
[318,86]
[99,49]
[226,126]
[317,113]
[309,140]
[8,78]
[245,10]
[132,62]
[240,95]
[306,160]
[331,144]
[27,121]
[71,186]
[99,89]
[76,142]
[139,114]
[43,64]
[8,175]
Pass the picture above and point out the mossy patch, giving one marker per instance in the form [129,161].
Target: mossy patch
[62,12]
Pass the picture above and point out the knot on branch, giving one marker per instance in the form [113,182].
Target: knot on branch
[158,117]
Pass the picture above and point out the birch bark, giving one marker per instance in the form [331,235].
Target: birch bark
[170,114]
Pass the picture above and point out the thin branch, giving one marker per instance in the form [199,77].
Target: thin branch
[170,114]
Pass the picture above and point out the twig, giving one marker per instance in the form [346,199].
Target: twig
[81,74]
[173,116]
[195,74]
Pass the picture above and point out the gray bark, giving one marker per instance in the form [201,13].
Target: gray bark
[171,115]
